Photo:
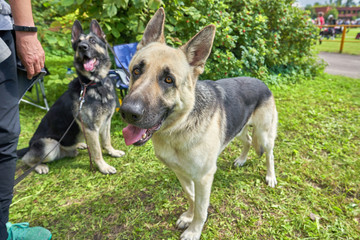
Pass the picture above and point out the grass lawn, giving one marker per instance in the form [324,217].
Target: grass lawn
[316,161]
[334,46]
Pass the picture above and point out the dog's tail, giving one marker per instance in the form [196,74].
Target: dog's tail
[259,148]
[21,152]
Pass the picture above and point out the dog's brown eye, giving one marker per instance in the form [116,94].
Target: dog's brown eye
[136,72]
[91,40]
[169,80]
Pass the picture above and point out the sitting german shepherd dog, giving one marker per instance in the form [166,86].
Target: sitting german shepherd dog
[92,65]
[192,121]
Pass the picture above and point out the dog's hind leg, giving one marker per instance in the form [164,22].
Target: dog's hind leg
[45,150]
[264,121]
[271,136]
[246,140]
[267,142]
[270,176]
[264,136]
[106,140]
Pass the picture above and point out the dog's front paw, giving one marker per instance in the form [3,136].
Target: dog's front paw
[271,181]
[183,221]
[106,168]
[190,235]
[82,146]
[42,169]
[239,162]
[116,153]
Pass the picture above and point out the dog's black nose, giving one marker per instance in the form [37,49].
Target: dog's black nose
[132,112]
[83,46]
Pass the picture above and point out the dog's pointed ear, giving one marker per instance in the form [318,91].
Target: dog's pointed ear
[198,49]
[154,31]
[96,29]
[76,32]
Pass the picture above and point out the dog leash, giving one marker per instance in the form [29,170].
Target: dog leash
[122,66]
[81,102]
[27,172]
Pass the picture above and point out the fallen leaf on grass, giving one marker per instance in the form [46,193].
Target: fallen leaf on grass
[313,217]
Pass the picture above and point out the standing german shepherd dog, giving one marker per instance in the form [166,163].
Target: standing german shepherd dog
[92,65]
[192,121]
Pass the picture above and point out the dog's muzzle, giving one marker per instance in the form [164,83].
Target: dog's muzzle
[89,62]
[137,132]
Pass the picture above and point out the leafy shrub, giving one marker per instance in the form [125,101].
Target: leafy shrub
[256,38]
[270,40]
[59,77]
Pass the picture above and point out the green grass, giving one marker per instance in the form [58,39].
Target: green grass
[316,160]
[349,47]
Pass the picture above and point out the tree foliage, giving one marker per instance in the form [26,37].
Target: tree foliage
[333,11]
[270,40]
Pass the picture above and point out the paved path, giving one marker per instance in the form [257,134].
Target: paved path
[342,64]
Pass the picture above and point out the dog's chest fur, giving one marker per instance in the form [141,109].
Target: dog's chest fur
[184,153]
[181,148]
[99,105]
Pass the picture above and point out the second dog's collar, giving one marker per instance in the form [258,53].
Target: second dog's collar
[89,84]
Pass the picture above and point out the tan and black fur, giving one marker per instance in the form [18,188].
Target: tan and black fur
[92,64]
[189,121]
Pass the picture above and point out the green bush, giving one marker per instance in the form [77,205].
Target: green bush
[270,40]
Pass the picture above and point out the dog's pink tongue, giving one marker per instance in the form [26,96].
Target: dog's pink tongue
[89,64]
[132,134]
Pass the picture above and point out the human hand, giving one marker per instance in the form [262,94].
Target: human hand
[30,52]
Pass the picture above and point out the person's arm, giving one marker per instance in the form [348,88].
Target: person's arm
[28,47]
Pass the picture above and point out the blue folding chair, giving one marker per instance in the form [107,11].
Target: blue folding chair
[124,54]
